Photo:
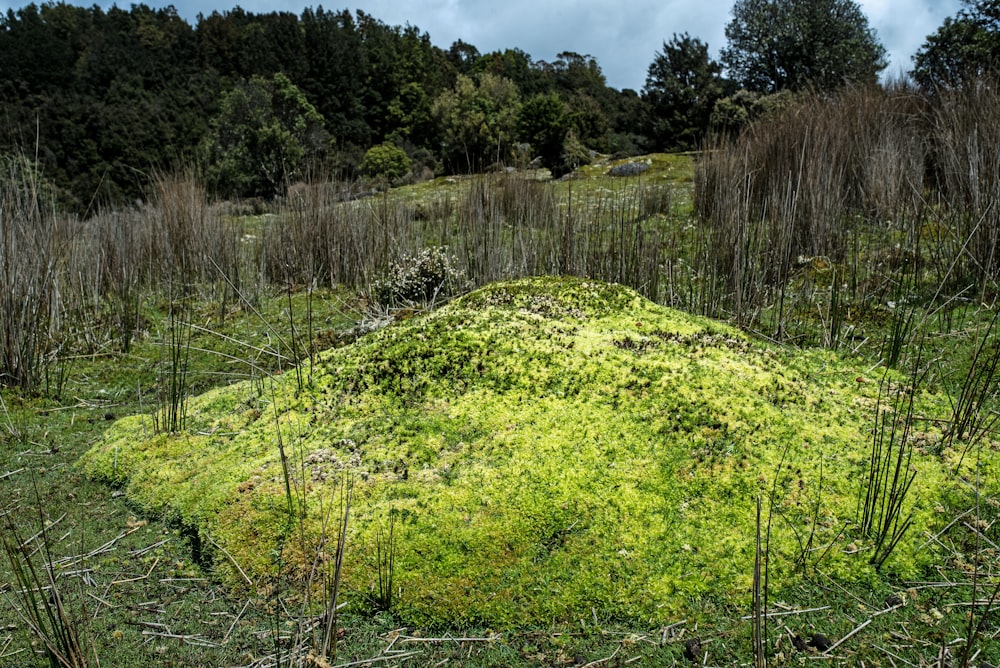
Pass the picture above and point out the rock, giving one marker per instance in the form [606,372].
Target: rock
[628,169]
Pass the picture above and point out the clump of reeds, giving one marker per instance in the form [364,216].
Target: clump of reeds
[880,183]
[812,182]
[33,241]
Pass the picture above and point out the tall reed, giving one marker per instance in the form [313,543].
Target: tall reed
[808,183]
[501,226]
[33,242]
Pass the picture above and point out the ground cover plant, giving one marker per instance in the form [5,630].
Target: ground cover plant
[128,303]
[533,480]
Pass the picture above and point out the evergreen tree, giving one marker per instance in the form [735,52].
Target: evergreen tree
[776,45]
[478,120]
[264,137]
[544,124]
[682,87]
[966,46]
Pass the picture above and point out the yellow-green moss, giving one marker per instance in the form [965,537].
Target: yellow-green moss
[548,446]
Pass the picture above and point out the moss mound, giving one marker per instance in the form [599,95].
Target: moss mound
[546,446]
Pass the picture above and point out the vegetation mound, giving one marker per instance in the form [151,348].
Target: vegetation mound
[545,448]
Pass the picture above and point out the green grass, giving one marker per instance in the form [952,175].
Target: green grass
[159,592]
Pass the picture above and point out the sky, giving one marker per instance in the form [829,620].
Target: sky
[623,36]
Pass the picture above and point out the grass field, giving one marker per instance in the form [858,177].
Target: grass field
[140,588]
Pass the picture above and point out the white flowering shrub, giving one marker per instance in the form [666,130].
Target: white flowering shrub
[428,276]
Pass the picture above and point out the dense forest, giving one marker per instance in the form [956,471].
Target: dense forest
[107,96]
[102,100]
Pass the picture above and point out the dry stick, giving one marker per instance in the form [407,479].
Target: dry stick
[448,639]
[604,660]
[101,601]
[149,548]
[141,577]
[939,533]
[24,543]
[977,532]
[844,639]
[758,614]
[789,612]
[669,629]
[193,640]
[231,558]
[72,561]
[10,473]
[246,605]
[889,609]
[894,656]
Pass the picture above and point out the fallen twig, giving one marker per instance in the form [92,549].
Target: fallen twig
[448,639]
[107,547]
[141,577]
[942,531]
[605,659]
[149,548]
[236,621]
[980,534]
[669,630]
[231,558]
[191,640]
[784,613]
[844,639]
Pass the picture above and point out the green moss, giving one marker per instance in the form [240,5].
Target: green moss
[549,446]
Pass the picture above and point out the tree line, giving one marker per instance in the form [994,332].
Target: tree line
[102,98]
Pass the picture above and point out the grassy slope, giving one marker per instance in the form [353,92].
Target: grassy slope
[155,605]
[550,447]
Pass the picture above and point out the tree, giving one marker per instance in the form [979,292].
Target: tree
[581,84]
[795,44]
[515,65]
[682,87]
[462,56]
[337,73]
[965,46]
[263,138]
[386,161]
[544,123]
[477,120]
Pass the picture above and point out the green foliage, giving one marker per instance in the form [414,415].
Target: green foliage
[515,65]
[336,73]
[386,161]
[462,56]
[965,47]
[682,87]
[478,121]
[822,44]
[105,96]
[542,444]
[580,82]
[731,114]
[110,96]
[265,136]
[544,123]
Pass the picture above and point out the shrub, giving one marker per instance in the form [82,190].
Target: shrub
[424,277]
[386,161]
